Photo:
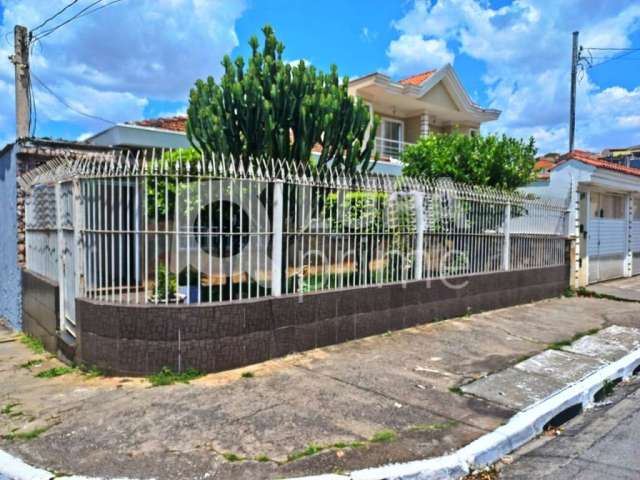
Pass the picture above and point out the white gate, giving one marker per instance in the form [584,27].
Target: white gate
[67,246]
[606,237]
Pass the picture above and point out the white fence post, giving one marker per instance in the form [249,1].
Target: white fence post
[506,256]
[276,243]
[418,265]
[60,253]
[78,240]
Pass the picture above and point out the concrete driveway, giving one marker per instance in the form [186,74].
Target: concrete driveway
[388,398]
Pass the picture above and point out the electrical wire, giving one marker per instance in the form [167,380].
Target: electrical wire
[48,32]
[66,104]
[52,17]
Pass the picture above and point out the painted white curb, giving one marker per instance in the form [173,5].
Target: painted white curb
[521,428]
[16,469]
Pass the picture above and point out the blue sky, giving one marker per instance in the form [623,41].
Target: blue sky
[138,58]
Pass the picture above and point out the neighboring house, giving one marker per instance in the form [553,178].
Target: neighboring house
[433,101]
[629,156]
[544,165]
[604,214]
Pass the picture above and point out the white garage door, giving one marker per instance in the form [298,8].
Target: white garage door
[606,238]
[635,237]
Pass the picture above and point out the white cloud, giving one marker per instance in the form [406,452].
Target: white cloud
[367,35]
[526,50]
[411,54]
[112,62]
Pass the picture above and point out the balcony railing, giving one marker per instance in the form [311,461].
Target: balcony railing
[390,149]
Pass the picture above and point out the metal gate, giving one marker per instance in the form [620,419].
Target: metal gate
[606,237]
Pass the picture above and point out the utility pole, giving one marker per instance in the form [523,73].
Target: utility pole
[572,111]
[20,60]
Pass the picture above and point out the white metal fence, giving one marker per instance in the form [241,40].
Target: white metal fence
[172,227]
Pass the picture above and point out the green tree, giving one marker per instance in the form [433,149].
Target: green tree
[495,161]
[267,108]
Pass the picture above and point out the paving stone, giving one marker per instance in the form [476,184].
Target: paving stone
[610,344]
[514,388]
[562,366]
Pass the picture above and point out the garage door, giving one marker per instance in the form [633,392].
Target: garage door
[635,237]
[606,238]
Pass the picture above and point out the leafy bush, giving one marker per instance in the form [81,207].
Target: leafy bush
[495,161]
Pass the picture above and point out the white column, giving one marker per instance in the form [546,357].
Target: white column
[276,244]
[418,264]
[424,124]
[628,224]
[506,253]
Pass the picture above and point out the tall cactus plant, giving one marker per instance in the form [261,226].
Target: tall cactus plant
[269,108]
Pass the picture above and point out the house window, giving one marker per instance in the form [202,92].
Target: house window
[391,139]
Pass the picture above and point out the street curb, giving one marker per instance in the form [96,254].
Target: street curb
[486,450]
[520,429]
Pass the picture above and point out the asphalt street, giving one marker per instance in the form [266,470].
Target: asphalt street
[600,444]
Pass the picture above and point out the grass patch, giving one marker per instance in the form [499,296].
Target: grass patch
[456,390]
[32,343]
[312,449]
[248,375]
[91,371]
[576,337]
[606,390]
[383,436]
[232,457]
[55,372]
[569,292]
[433,427]
[28,435]
[8,408]
[31,363]
[166,376]
[263,458]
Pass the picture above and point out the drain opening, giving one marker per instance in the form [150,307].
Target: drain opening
[563,417]
[607,389]
[637,370]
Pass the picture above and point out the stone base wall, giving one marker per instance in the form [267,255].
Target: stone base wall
[40,309]
[141,339]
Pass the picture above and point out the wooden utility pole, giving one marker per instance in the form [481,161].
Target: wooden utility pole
[572,110]
[20,59]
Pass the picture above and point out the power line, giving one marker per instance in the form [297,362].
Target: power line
[611,48]
[66,104]
[70,19]
[58,13]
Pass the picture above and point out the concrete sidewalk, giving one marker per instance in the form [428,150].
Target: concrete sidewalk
[624,288]
[389,398]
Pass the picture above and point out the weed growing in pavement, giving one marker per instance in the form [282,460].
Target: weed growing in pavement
[433,427]
[166,376]
[569,292]
[32,343]
[28,435]
[31,363]
[576,337]
[607,390]
[56,372]
[312,449]
[383,436]
[232,457]
[8,408]
[263,458]
[91,371]
[456,390]
[248,375]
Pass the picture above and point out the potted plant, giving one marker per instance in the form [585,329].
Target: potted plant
[189,284]
[165,287]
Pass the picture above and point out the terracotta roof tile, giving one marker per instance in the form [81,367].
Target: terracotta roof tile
[418,78]
[175,124]
[591,159]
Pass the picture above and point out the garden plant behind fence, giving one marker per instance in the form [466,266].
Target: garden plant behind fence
[171,227]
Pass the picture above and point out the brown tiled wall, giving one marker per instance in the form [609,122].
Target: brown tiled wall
[143,339]
[40,308]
